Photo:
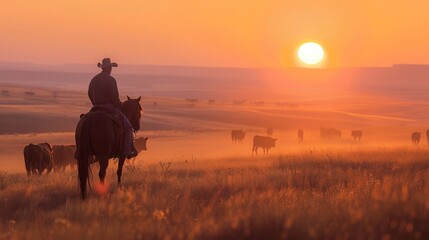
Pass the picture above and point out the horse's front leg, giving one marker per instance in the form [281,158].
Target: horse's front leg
[104,162]
[120,166]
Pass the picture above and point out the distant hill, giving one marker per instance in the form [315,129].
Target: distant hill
[402,80]
[224,97]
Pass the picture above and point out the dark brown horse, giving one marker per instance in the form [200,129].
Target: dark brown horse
[98,135]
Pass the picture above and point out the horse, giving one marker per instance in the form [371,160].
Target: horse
[99,135]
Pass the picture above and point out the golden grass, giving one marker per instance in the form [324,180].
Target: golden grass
[359,193]
[213,189]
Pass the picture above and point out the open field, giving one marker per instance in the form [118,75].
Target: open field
[200,185]
[194,183]
[318,193]
[259,120]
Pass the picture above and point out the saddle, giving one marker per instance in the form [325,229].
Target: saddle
[115,117]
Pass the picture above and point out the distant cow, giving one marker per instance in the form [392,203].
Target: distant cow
[427,135]
[237,135]
[270,131]
[263,142]
[63,156]
[38,157]
[141,145]
[330,133]
[415,137]
[357,134]
[300,135]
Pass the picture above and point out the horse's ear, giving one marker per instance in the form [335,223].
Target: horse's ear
[128,97]
[138,99]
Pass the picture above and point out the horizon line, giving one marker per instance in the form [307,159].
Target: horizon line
[23,64]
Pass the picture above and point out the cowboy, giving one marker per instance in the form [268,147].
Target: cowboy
[103,92]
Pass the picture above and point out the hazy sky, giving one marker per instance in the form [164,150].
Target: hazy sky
[242,33]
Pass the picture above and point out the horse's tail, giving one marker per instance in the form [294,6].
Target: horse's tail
[83,153]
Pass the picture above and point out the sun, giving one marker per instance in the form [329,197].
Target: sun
[311,53]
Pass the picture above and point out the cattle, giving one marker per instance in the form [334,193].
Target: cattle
[237,135]
[300,135]
[415,137]
[263,142]
[270,131]
[63,156]
[330,133]
[140,145]
[38,157]
[427,135]
[357,134]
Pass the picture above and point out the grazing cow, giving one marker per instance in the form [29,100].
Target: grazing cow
[270,131]
[237,135]
[300,135]
[140,145]
[427,135]
[415,137]
[330,133]
[38,157]
[63,156]
[263,142]
[357,134]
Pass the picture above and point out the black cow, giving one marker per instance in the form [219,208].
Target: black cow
[415,137]
[263,142]
[38,157]
[237,135]
[63,156]
[357,134]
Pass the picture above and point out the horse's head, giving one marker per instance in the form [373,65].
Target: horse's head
[132,110]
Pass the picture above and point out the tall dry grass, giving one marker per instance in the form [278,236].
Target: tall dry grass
[359,193]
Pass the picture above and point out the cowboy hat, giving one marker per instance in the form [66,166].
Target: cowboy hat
[106,63]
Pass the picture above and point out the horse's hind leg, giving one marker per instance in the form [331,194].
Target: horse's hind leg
[104,162]
[120,166]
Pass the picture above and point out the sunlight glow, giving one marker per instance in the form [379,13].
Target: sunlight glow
[310,53]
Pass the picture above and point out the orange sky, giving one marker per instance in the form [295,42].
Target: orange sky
[238,33]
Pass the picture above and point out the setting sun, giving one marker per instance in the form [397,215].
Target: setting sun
[310,53]
[220,119]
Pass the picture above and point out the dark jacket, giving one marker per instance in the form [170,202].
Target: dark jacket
[103,90]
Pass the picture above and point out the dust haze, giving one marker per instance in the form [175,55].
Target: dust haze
[196,108]
[189,113]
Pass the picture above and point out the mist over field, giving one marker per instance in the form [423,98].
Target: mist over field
[349,97]
[256,120]
[195,182]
